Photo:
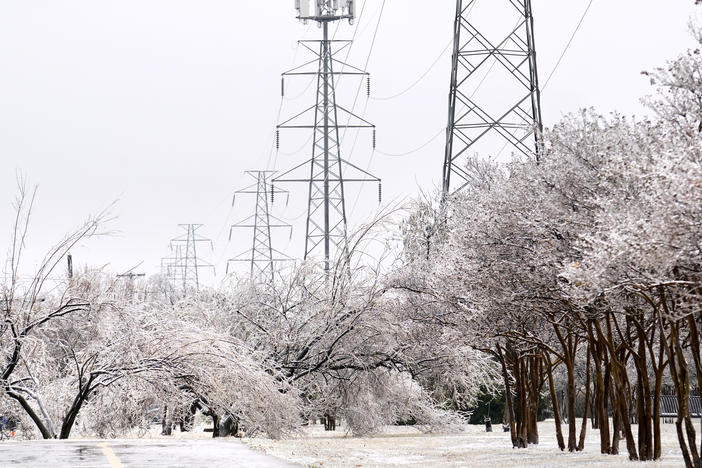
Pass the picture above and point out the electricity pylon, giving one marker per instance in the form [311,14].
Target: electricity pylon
[510,116]
[262,255]
[184,267]
[326,172]
[169,265]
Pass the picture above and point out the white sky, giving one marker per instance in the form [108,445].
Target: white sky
[162,104]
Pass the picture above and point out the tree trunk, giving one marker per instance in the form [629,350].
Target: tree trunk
[45,433]
[644,407]
[681,381]
[598,356]
[215,424]
[570,368]
[509,399]
[522,415]
[583,427]
[554,402]
[166,423]
[533,387]
[620,395]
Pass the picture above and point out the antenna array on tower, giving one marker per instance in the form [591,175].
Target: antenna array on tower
[326,10]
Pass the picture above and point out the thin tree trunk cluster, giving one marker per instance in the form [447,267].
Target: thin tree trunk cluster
[523,398]
[625,355]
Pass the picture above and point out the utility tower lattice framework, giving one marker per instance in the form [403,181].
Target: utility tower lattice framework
[485,125]
[184,267]
[262,255]
[326,172]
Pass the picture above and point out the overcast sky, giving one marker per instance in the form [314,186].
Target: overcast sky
[162,104]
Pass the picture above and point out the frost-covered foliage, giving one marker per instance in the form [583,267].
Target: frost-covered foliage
[588,259]
[375,400]
[109,356]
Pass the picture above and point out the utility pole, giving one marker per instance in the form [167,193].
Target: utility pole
[187,264]
[130,277]
[326,172]
[495,49]
[262,255]
[69,260]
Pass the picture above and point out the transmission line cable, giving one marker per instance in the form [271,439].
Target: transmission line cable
[418,80]
[419,148]
[570,41]
[302,93]
[360,85]
[431,67]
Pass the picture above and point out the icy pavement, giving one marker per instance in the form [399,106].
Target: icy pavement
[117,453]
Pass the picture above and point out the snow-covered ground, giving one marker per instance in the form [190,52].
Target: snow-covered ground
[407,447]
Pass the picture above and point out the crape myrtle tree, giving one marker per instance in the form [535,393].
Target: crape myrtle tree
[588,258]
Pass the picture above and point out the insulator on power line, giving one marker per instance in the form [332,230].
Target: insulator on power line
[277,140]
[380,192]
[282,87]
[368,85]
[374,139]
[272,193]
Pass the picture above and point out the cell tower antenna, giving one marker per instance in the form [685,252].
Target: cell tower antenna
[186,265]
[326,172]
[262,256]
[492,124]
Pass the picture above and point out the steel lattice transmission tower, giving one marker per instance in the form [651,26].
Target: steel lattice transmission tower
[170,268]
[493,48]
[184,267]
[326,172]
[262,256]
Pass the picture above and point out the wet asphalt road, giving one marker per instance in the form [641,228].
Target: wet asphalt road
[134,454]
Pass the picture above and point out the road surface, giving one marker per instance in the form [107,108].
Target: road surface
[229,453]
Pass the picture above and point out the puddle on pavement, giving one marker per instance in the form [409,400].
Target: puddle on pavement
[86,453]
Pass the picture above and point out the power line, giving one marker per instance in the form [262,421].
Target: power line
[418,80]
[443,129]
[565,50]
[360,85]
[184,267]
[302,93]
[431,67]
[365,108]
[421,147]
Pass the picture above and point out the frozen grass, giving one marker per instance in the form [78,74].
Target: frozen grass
[407,447]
